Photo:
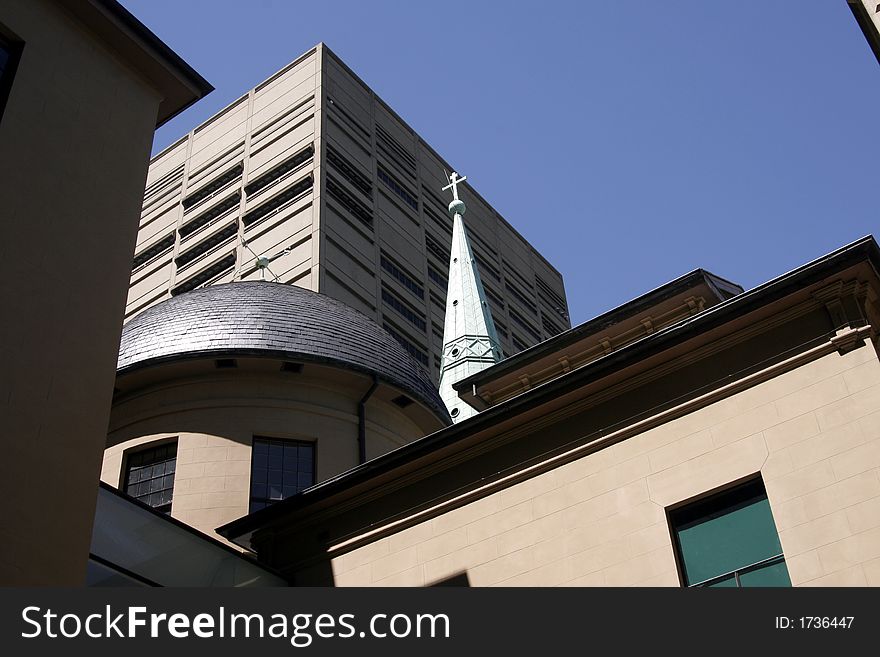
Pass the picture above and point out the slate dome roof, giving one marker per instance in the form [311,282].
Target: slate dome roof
[261,318]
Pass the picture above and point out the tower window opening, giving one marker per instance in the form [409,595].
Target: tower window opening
[279,469]
[149,475]
[729,539]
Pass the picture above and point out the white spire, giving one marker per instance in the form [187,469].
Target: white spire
[470,343]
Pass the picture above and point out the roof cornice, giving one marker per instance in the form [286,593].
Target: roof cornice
[863,250]
[176,81]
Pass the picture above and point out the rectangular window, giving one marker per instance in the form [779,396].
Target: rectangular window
[397,188]
[436,249]
[551,298]
[349,171]
[521,297]
[206,276]
[149,475]
[518,319]
[550,328]
[405,279]
[279,171]
[414,351]
[404,310]
[518,344]
[437,277]
[279,469]
[485,267]
[208,217]
[163,245]
[348,202]
[206,246]
[278,201]
[10,53]
[395,151]
[213,187]
[729,540]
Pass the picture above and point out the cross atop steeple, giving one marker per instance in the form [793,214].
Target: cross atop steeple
[453,184]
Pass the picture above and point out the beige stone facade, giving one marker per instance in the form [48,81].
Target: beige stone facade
[75,138]
[572,482]
[213,417]
[813,434]
[311,160]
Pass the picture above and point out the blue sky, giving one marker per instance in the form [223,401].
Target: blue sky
[630,142]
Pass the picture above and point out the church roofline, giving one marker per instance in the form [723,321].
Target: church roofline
[272,320]
[362,479]
[723,288]
[180,84]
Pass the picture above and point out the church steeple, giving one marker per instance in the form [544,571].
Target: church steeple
[470,343]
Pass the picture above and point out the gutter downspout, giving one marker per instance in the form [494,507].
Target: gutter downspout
[362,421]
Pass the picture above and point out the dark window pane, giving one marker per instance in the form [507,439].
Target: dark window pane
[729,532]
[150,475]
[285,469]
[276,453]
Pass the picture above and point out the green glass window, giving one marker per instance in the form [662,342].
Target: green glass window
[729,540]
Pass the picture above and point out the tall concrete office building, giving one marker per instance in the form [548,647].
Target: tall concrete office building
[312,167]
